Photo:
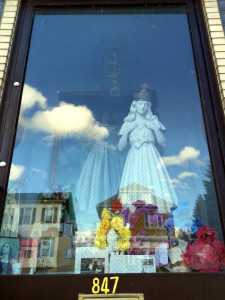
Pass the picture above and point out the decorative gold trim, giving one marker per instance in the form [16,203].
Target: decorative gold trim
[111,296]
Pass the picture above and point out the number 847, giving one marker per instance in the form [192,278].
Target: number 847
[104,286]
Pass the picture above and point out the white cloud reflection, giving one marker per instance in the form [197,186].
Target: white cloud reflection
[177,184]
[32,96]
[63,120]
[40,172]
[16,172]
[67,120]
[185,155]
[184,175]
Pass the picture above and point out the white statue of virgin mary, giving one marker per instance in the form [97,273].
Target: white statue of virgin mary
[144,175]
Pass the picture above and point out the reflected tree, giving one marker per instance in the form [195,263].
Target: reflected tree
[206,207]
[200,211]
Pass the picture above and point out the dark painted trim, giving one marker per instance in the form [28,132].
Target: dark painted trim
[211,104]
[106,2]
[192,286]
[11,96]
[189,286]
[212,81]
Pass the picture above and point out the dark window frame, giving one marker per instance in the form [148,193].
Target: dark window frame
[197,286]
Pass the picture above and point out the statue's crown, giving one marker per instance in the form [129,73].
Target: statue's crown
[143,95]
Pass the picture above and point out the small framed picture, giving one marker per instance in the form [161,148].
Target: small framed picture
[90,260]
[132,264]
[9,256]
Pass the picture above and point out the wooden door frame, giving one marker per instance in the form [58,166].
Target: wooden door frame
[194,286]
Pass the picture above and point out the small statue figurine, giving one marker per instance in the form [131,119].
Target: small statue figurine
[112,240]
[144,166]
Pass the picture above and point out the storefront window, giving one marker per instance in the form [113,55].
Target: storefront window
[111,170]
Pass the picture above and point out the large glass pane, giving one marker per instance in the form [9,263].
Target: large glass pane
[221,4]
[111,170]
[2,3]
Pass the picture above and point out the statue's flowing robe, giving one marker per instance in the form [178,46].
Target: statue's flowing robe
[144,166]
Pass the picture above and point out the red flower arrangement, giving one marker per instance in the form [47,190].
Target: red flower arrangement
[206,254]
[116,206]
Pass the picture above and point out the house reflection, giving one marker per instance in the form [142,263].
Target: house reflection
[150,228]
[45,225]
[135,191]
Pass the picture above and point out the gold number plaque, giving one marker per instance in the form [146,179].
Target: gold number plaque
[111,297]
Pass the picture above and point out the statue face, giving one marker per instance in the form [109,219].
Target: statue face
[5,249]
[141,107]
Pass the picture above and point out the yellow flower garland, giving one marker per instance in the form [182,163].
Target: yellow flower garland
[125,232]
[105,225]
[123,244]
[100,242]
[117,224]
[105,213]
[100,232]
